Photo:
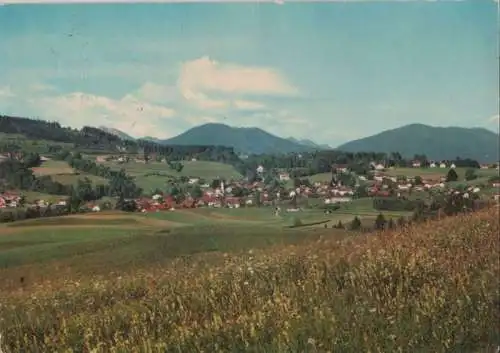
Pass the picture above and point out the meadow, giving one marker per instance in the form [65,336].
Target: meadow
[145,173]
[61,172]
[168,285]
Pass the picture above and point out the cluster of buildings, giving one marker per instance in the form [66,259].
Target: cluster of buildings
[15,200]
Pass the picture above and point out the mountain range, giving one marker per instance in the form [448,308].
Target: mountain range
[307,142]
[243,139]
[435,142]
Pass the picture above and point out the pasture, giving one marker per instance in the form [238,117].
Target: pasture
[155,175]
[52,167]
[234,288]
[61,172]
[99,242]
[32,196]
[195,230]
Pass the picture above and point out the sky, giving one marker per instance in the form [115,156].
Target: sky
[330,72]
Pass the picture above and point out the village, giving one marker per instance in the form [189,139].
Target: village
[242,193]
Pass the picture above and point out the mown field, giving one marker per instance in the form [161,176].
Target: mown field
[168,287]
[61,172]
[145,173]
[117,239]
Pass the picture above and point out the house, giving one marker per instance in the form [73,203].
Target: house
[342,168]
[284,176]
[377,166]
[404,187]
[233,202]
[416,164]
[101,159]
[334,200]
[442,165]
[453,166]
[432,165]
[260,169]
[193,180]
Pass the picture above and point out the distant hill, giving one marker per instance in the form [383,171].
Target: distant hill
[435,142]
[307,142]
[150,138]
[243,140]
[116,132]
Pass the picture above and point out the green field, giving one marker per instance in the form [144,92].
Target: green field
[201,169]
[32,196]
[195,230]
[117,239]
[61,172]
[438,172]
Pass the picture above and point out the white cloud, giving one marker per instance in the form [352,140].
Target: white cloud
[205,91]
[207,84]
[134,116]
[202,101]
[155,93]
[205,74]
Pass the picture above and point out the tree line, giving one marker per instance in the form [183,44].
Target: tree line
[304,164]
[94,139]
[298,164]
[120,183]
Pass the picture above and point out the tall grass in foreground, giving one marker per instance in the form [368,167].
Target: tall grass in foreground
[432,288]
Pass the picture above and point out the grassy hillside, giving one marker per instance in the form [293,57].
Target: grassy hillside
[435,142]
[243,140]
[154,175]
[61,172]
[396,291]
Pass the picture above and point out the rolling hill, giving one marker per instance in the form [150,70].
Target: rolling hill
[116,132]
[435,142]
[307,142]
[243,140]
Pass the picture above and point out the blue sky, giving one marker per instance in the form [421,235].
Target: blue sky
[330,72]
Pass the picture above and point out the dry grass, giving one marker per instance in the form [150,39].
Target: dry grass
[434,288]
